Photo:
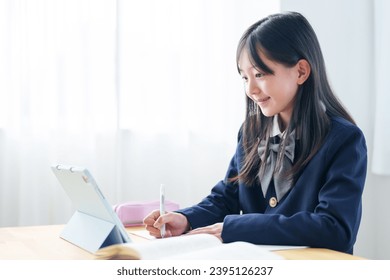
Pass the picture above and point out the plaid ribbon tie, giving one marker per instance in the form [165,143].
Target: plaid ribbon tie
[282,185]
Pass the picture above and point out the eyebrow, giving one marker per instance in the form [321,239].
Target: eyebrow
[252,67]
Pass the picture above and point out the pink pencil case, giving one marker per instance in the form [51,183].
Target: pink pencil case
[133,213]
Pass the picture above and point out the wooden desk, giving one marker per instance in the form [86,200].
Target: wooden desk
[44,243]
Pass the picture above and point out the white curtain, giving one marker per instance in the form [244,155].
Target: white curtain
[57,101]
[139,92]
[381,153]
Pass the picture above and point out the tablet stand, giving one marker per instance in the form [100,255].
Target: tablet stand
[90,233]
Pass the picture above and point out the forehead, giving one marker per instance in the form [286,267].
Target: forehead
[246,62]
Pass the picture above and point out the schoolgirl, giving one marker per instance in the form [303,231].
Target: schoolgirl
[299,170]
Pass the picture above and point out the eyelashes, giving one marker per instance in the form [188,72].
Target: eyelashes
[257,76]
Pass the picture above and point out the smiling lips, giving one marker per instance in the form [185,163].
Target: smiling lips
[262,100]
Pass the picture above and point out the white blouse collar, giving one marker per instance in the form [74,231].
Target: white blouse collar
[275,127]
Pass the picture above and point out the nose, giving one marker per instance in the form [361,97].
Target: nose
[252,89]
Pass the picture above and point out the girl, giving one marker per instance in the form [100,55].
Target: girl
[298,173]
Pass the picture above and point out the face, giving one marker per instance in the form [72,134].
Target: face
[273,93]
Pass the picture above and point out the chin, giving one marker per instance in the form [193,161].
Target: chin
[268,114]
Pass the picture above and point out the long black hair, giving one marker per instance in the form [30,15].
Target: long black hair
[287,38]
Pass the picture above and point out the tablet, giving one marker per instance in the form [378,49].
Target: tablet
[94,224]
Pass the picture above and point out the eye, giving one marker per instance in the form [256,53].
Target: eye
[259,75]
[245,79]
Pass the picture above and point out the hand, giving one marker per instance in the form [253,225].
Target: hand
[215,229]
[175,223]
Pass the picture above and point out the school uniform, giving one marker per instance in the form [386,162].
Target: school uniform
[321,209]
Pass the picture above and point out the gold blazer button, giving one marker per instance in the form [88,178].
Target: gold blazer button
[273,202]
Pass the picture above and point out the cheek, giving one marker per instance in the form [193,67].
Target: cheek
[250,97]
[291,91]
[246,89]
[287,90]
[290,85]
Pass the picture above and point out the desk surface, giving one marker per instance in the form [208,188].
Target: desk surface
[44,243]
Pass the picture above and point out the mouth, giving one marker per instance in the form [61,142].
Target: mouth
[262,100]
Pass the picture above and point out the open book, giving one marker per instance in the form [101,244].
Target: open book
[186,247]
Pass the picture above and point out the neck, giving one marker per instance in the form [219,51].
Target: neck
[284,121]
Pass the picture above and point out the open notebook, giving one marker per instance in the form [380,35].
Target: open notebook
[187,247]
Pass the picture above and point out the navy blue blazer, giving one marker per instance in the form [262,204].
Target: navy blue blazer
[323,209]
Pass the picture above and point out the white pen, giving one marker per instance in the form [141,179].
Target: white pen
[162,208]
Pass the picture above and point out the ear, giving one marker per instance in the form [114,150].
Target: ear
[303,71]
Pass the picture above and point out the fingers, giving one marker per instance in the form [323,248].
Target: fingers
[151,218]
[163,219]
[153,223]
[153,231]
[175,223]
[215,229]
[149,222]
